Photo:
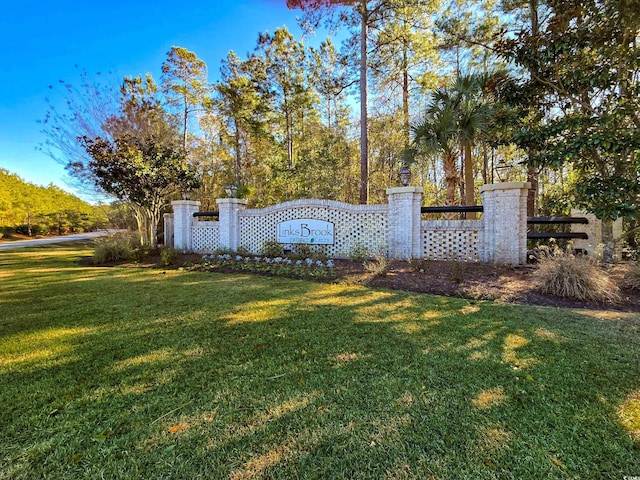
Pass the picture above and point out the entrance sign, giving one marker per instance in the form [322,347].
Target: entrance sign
[305,230]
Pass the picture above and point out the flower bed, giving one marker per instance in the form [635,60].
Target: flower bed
[281,266]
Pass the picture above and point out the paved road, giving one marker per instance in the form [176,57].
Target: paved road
[64,238]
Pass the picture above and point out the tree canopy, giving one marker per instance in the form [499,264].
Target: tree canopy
[538,90]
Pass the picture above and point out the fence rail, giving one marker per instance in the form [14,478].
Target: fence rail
[544,235]
[558,220]
[453,209]
[206,214]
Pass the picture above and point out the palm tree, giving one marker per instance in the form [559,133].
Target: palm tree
[456,118]
[473,114]
[438,134]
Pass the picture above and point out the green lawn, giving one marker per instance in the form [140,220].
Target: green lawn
[141,373]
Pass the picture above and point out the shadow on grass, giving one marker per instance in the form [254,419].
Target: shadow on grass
[140,373]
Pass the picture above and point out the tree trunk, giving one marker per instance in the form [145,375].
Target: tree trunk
[405,95]
[532,193]
[364,143]
[238,155]
[184,129]
[450,176]
[469,190]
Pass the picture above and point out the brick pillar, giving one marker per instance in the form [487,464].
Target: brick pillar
[183,211]
[229,210]
[168,229]
[404,223]
[505,222]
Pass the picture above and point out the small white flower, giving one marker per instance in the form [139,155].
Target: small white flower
[287,261]
[257,259]
[277,260]
[330,264]
[319,264]
[309,261]
[247,259]
[299,262]
[267,260]
[238,258]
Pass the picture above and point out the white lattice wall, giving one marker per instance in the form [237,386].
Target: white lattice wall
[365,225]
[205,236]
[451,240]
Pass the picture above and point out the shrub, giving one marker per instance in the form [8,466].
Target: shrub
[359,253]
[301,251]
[379,266]
[458,271]
[114,248]
[168,256]
[223,251]
[565,275]
[631,278]
[140,252]
[272,248]
[419,265]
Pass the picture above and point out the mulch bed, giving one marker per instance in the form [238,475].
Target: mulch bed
[455,279]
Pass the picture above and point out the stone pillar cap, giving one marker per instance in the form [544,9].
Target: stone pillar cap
[505,186]
[237,201]
[186,202]
[391,191]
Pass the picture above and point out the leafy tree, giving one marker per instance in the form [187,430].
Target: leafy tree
[140,162]
[404,54]
[579,100]
[185,84]
[142,172]
[35,209]
[141,113]
[241,102]
[360,15]
[84,111]
[330,79]
[458,114]
[288,92]
[438,134]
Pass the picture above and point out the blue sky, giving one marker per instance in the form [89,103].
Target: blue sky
[43,42]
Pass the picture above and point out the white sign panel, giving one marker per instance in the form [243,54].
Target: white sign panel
[305,230]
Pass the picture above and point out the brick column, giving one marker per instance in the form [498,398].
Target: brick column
[183,211]
[404,223]
[505,222]
[229,210]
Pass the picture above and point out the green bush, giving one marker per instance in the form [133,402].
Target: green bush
[272,248]
[359,253]
[168,256]
[140,252]
[303,251]
[223,251]
[379,266]
[113,248]
[564,274]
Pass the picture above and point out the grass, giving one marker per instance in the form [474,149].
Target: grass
[142,373]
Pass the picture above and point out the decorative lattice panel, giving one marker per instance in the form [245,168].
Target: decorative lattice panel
[451,240]
[355,225]
[205,237]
